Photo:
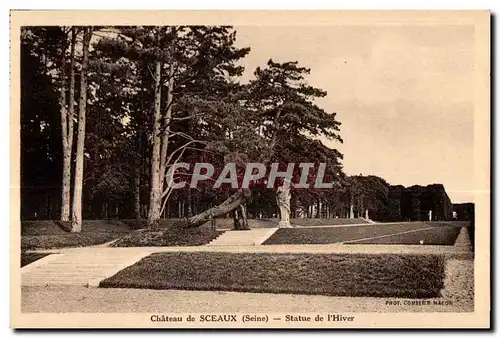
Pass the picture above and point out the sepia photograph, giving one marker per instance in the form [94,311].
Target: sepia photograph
[247,169]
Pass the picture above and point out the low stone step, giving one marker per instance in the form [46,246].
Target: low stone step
[63,265]
[237,243]
[246,238]
[72,282]
[89,260]
[80,266]
[57,274]
[57,281]
[72,270]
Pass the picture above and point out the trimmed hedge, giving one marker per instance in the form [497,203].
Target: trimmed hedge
[385,275]
[168,237]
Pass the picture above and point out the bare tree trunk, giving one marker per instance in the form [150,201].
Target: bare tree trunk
[137,192]
[166,126]
[76,222]
[65,192]
[71,107]
[49,207]
[145,167]
[189,204]
[67,127]
[362,206]
[137,175]
[165,133]
[154,195]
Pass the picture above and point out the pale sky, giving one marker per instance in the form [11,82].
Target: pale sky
[404,95]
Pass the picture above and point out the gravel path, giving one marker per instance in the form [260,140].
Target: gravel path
[459,283]
[81,299]
[448,250]
[457,297]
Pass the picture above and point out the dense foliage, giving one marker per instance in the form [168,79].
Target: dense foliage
[160,95]
[213,117]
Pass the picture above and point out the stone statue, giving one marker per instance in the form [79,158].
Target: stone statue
[283,199]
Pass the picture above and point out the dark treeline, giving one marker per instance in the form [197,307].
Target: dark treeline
[105,111]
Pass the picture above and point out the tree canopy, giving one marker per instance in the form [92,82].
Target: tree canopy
[157,95]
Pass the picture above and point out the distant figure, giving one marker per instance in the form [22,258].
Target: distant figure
[430,215]
[283,199]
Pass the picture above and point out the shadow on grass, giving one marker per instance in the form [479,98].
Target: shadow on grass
[168,237]
[50,234]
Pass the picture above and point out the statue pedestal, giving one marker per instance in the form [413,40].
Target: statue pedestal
[283,201]
[284,224]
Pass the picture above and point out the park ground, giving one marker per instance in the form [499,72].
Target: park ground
[305,269]
[458,296]
[39,235]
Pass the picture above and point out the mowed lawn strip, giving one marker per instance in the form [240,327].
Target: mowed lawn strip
[317,222]
[48,235]
[385,275]
[445,235]
[168,237]
[322,235]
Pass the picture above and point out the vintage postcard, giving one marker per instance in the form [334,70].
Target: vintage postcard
[250,169]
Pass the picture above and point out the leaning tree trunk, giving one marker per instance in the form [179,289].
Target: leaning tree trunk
[154,194]
[236,199]
[76,222]
[230,204]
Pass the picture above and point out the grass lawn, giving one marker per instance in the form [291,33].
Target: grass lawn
[345,234]
[40,228]
[168,237]
[28,258]
[444,235]
[224,223]
[48,235]
[326,221]
[408,276]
